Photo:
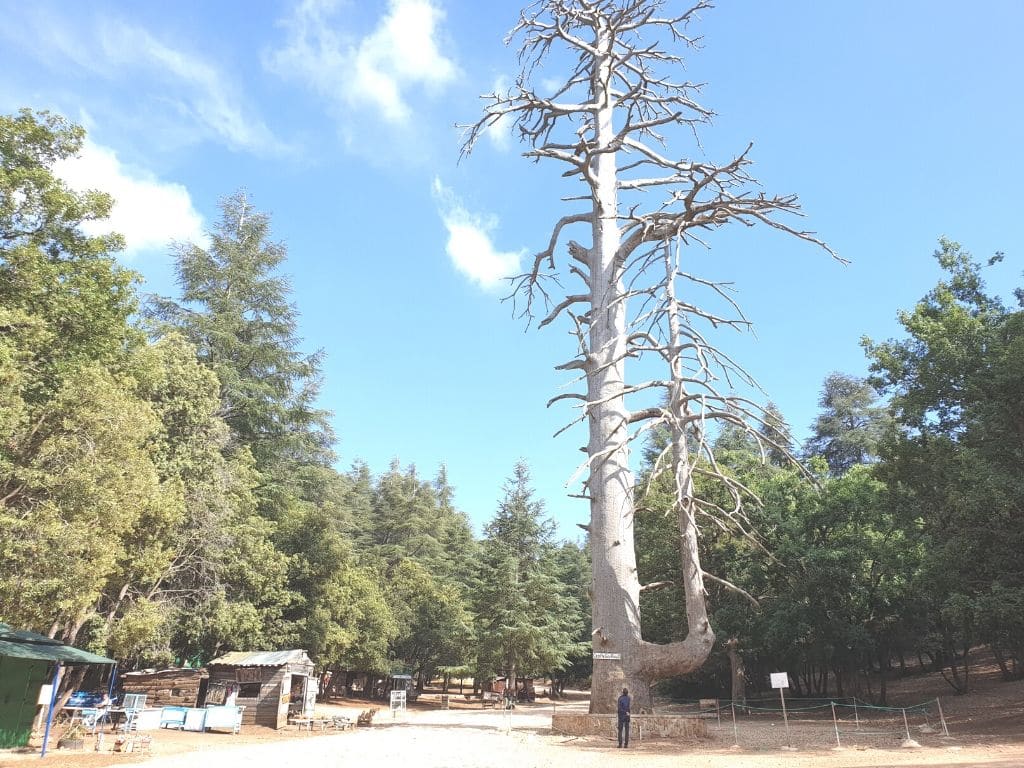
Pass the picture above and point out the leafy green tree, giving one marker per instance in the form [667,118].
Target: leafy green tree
[850,426]
[435,628]
[120,517]
[525,622]
[75,471]
[235,309]
[408,517]
[954,465]
[174,562]
[572,566]
[779,436]
[823,604]
[455,533]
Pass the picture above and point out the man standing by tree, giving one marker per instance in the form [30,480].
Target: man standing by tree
[624,707]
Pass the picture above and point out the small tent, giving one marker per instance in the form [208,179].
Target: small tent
[27,662]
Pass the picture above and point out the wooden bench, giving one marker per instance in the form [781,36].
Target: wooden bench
[490,699]
[307,723]
[342,723]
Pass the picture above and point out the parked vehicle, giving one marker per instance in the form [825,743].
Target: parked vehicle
[383,689]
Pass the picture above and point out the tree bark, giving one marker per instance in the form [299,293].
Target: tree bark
[615,586]
[615,589]
[737,674]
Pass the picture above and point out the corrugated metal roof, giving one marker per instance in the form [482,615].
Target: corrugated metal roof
[170,672]
[21,644]
[262,658]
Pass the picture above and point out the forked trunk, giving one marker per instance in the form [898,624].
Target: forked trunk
[621,657]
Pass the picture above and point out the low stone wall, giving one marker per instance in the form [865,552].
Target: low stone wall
[654,726]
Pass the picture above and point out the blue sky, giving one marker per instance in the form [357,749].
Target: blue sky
[895,123]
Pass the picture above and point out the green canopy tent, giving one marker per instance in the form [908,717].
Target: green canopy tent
[26,662]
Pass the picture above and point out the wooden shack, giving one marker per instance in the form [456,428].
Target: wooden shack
[168,687]
[266,683]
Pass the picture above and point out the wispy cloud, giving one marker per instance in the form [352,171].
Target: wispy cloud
[469,243]
[208,95]
[154,73]
[401,57]
[149,213]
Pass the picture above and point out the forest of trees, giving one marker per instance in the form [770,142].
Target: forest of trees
[168,483]
[169,491]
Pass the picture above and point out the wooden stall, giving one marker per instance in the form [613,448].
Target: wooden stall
[168,687]
[266,683]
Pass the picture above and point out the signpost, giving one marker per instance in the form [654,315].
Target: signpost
[397,702]
[780,680]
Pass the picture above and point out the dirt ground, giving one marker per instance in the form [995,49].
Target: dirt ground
[985,728]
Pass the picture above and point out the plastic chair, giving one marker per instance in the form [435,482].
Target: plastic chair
[130,724]
[92,717]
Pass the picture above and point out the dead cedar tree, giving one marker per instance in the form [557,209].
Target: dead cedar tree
[605,123]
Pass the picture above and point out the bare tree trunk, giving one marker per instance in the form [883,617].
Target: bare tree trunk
[736,672]
[615,603]
[622,75]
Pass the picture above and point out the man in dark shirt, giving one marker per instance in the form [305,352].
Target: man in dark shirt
[624,707]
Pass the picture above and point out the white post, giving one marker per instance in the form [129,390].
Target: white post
[905,726]
[785,717]
[735,733]
[942,718]
[856,716]
[836,724]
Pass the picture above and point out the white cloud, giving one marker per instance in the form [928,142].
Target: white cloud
[401,55]
[149,213]
[206,94]
[469,241]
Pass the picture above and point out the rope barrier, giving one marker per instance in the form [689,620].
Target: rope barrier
[868,723]
[856,705]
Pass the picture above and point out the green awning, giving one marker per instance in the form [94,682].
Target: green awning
[21,644]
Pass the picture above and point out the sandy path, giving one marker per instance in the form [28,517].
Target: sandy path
[488,739]
[471,737]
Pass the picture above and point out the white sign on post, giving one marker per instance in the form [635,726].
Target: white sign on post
[780,680]
[607,656]
[397,702]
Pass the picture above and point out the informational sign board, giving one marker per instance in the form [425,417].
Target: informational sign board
[397,701]
[45,694]
[309,696]
[612,656]
[780,680]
